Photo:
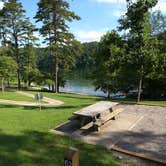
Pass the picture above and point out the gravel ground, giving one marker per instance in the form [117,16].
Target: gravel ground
[149,135]
[139,128]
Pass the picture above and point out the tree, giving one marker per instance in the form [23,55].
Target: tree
[54,15]
[16,27]
[68,59]
[143,52]
[155,83]
[7,68]
[86,59]
[29,56]
[3,29]
[108,62]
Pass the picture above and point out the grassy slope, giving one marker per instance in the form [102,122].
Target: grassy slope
[25,140]
[15,96]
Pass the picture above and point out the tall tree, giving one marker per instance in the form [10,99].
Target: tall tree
[29,62]
[54,15]
[3,29]
[14,15]
[142,45]
[67,61]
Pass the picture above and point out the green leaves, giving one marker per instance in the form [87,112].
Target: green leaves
[7,67]
[55,16]
[142,46]
[108,63]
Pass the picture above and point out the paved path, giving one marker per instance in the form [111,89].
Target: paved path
[49,101]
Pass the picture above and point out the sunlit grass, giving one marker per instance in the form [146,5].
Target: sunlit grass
[15,96]
[25,139]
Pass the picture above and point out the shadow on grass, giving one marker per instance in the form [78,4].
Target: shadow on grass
[63,107]
[41,148]
[9,106]
[82,97]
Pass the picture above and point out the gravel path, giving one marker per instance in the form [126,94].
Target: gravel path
[49,102]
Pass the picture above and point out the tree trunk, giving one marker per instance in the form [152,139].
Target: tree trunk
[8,83]
[49,86]
[18,79]
[140,83]
[56,76]
[108,96]
[53,87]
[29,82]
[139,90]
[2,85]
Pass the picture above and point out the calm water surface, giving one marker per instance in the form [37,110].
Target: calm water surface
[82,86]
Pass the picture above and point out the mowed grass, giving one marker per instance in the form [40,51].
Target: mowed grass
[144,102]
[15,96]
[160,103]
[25,139]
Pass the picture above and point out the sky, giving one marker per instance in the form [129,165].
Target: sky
[97,16]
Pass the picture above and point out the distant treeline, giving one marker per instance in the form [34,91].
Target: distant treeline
[132,62]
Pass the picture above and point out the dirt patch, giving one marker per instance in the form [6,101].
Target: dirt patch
[48,101]
[139,128]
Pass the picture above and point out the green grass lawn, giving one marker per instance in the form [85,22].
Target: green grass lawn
[25,139]
[145,102]
[15,96]
[161,103]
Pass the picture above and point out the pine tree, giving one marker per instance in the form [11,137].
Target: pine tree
[16,26]
[29,64]
[54,15]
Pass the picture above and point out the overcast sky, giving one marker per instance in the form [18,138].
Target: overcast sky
[97,16]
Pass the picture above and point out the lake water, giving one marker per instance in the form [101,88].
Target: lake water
[81,86]
[77,83]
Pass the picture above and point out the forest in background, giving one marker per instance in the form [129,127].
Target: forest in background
[134,60]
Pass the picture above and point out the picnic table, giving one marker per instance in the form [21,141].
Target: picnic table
[93,113]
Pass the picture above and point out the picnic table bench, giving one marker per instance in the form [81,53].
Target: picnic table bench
[104,118]
[97,114]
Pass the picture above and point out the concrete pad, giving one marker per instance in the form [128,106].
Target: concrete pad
[139,128]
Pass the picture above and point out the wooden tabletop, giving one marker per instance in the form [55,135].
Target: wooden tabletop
[96,109]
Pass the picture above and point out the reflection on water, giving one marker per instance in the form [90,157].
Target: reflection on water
[77,83]
[81,86]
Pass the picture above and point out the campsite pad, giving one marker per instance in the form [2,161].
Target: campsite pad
[139,128]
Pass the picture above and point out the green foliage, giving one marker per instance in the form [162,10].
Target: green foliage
[108,63]
[142,46]
[55,15]
[86,59]
[7,68]
[16,31]
[45,62]
[155,83]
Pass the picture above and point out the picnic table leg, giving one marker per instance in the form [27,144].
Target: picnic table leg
[82,122]
[114,118]
[96,128]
